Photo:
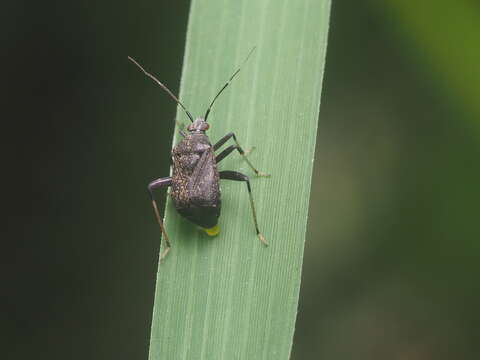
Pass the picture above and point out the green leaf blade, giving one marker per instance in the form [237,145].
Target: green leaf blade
[229,297]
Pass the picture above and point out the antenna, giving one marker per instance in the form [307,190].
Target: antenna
[163,87]
[228,83]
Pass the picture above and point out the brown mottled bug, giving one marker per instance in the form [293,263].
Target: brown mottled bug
[195,177]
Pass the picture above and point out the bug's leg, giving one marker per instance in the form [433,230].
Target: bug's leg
[228,150]
[155,184]
[225,153]
[223,140]
[236,176]
[248,151]
[181,127]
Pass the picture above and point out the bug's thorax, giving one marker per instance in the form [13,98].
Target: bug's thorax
[194,142]
[187,153]
[195,139]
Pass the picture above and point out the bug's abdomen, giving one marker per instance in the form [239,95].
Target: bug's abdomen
[205,217]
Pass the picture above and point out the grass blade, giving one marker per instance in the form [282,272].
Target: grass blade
[229,297]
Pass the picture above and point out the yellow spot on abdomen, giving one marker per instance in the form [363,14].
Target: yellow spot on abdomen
[213,231]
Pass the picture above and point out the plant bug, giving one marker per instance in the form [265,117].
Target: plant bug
[195,179]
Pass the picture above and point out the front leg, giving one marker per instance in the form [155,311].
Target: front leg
[237,147]
[181,127]
[156,184]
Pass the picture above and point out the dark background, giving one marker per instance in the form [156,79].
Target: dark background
[391,264]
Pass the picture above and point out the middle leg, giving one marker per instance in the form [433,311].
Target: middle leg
[237,147]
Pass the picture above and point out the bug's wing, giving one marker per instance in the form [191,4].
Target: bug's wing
[203,185]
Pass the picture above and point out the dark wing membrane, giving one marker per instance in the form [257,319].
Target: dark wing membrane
[203,185]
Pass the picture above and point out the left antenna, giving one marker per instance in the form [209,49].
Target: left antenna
[163,87]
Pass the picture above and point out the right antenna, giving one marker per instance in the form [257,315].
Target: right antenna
[163,87]
[228,83]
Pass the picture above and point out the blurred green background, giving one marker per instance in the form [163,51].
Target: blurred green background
[391,262]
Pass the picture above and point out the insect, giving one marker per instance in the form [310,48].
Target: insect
[195,180]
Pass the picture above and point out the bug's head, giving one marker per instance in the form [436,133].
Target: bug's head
[198,125]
